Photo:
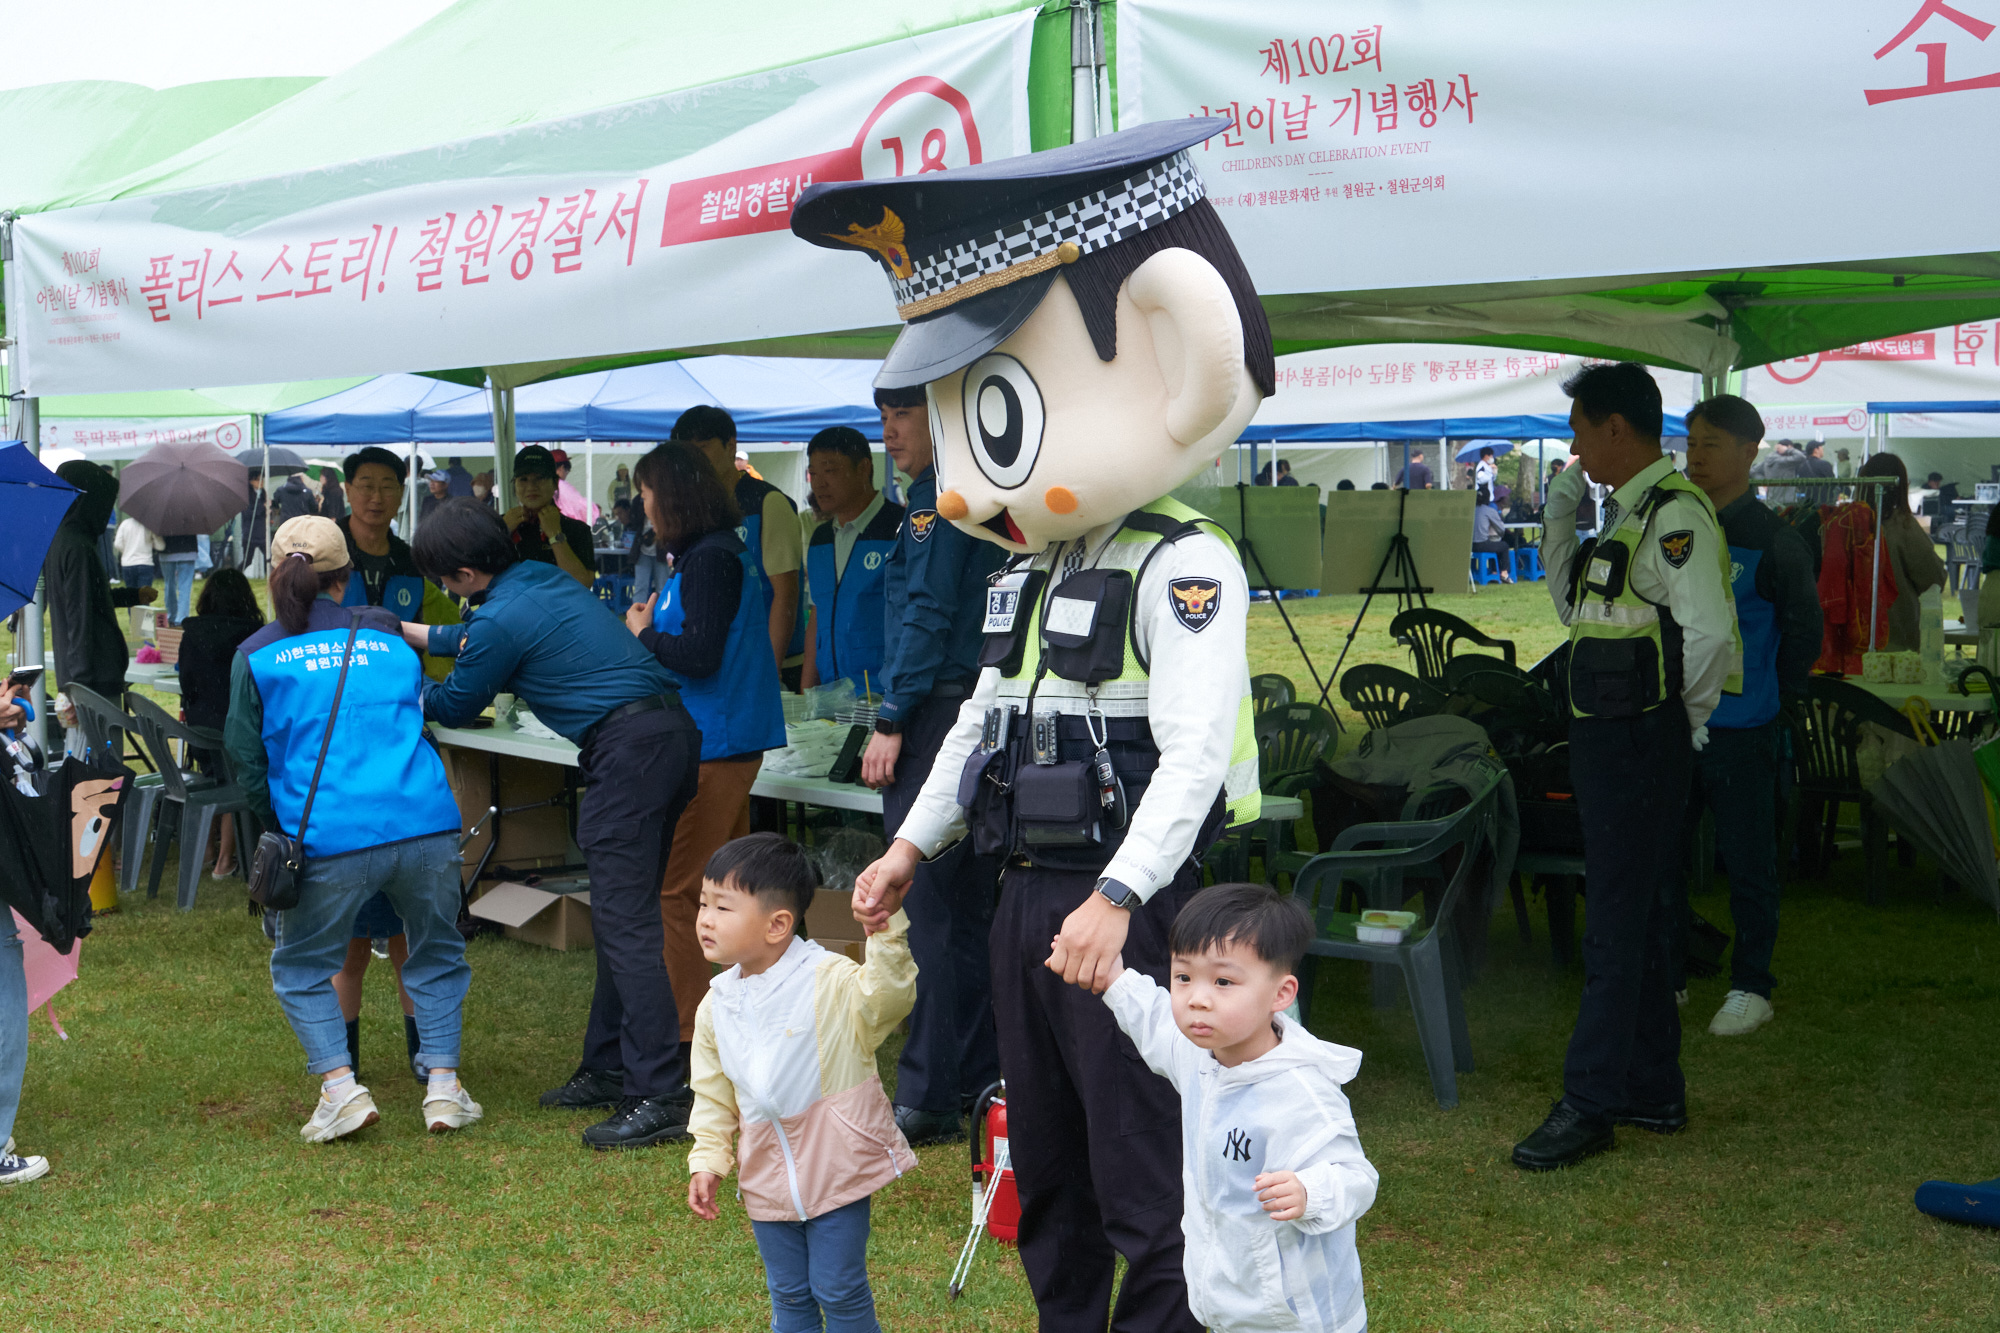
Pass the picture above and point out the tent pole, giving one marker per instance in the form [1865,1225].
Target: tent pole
[29,649]
[264,497]
[1086,53]
[589,484]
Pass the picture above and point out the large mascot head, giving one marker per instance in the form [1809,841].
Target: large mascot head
[1086,332]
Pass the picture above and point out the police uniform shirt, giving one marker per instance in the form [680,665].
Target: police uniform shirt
[1676,568]
[1200,669]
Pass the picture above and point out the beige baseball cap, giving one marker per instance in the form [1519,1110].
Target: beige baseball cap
[318,539]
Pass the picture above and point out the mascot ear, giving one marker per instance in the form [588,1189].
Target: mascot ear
[1197,338]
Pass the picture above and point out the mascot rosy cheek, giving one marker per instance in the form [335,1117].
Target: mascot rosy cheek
[1087,334]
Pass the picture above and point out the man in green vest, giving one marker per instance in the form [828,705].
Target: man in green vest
[1653,646]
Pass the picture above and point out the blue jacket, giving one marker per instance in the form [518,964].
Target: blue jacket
[382,782]
[1777,611]
[750,496]
[737,706]
[851,608]
[937,601]
[539,634]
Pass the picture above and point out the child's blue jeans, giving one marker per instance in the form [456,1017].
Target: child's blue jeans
[819,1267]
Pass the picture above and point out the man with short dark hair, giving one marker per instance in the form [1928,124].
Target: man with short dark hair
[770,530]
[1736,773]
[1653,647]
[542,636]
[385,573]
[1416,476]
[1817,463]
[847,562]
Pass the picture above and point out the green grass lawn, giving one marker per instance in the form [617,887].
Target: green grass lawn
[182,1198]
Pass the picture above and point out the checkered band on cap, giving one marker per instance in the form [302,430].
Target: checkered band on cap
[1037,244]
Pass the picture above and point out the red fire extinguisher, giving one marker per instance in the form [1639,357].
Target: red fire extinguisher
[996,1207]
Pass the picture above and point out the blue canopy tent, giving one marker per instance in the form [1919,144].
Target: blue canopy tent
[383,410]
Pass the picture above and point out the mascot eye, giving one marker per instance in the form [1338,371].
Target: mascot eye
[1003,418]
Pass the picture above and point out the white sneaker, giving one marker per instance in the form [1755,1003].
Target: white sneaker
[454,1111]
[1742,1013]
[332,1120]
[20,1170]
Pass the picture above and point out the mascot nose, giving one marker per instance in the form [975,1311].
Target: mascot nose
[951,506]
[1060,500]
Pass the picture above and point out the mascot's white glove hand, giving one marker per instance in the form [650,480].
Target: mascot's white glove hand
[1700,736]
[1566,492]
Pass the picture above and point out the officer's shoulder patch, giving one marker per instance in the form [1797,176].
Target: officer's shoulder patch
[1195,601]
[1677,546]
[921,523]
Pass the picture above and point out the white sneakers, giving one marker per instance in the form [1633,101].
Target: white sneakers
[455,1110]
[1742,1013]
[335,1119]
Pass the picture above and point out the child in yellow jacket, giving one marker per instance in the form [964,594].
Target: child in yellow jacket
[784,1057]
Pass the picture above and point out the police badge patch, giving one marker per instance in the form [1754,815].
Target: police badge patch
[921,523]
[1195,601]
[1676,546]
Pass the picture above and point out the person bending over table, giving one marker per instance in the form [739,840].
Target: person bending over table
[536,633]
[542,532]
[708,627]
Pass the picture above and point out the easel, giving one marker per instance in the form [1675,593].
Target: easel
[1409,592]
[1277,595]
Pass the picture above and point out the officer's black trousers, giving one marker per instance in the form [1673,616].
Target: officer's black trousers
[1095,1136]
[639,773]
[951,1052]
[1631,777]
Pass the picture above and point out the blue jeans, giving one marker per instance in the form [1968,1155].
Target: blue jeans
[178,575]
[421,879]
[819,1266]
[13,1023]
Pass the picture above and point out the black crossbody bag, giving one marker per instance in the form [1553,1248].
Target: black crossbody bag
[279,861]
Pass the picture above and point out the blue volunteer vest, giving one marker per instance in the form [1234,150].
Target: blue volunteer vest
[750,494]
[402,594]
[1757,619]
[383,782]
[737,708]
[851,624]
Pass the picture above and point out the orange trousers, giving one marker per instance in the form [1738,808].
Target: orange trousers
[719,812]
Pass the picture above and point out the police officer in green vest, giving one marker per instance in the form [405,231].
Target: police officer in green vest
[1653,647]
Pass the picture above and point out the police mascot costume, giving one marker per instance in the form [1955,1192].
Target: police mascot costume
[1089,340]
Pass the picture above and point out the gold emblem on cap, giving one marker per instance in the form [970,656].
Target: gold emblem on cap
[1069,252]
[885,238]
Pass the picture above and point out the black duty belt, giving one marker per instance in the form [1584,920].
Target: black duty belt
[651,703]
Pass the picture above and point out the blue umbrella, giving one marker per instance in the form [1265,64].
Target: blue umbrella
[34,500]
[1470,453]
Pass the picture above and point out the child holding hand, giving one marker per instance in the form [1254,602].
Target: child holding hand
[1272,1169]
[784,1057]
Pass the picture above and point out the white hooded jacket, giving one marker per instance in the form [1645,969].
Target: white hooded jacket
[1283,1111]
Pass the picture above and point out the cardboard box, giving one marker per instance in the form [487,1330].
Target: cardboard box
[529,840]
[538,916]
[830,923]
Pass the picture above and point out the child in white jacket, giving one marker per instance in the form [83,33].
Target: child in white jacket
[1271,1166]
[784,1056]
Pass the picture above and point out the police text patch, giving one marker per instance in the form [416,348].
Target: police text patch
[1677,546]
[921,523]
[1195,601]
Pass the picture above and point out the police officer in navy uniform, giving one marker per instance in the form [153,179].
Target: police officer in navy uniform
[1736,773]
[847,562]
[1081,338]
[935,585]
[1653,648]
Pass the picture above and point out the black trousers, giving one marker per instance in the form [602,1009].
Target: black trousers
[1736,777]
[1095,1136]
[1631,777]
[640,772]
[951,1053]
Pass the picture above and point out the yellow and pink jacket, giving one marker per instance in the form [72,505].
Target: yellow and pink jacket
[786,1059]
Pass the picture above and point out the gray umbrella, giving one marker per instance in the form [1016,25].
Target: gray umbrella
[184,487]
[282,460]
[1934,796]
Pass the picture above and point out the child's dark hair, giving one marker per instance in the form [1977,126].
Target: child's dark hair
[771,866]
[1275,928]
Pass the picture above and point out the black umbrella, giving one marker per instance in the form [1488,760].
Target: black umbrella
[282,460]
[1935,798]
[50,843]
[183,487]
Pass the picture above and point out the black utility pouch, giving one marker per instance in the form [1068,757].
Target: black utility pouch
[1056,806]
[1010,613]
[1604,568]
[982,790]
[1614,677]
[1084,625]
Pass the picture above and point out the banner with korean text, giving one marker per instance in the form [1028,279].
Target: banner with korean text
[1939,383]
[1403,144]
[128,437]
[657,224]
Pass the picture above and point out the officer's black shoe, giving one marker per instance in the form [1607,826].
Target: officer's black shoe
[587,1088]
[921,1127]
[640,1122]
[1564,1139]
[1665,1118]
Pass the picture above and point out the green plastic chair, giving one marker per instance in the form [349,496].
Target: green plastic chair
[1271,690]
[1384,696]
[1431,636]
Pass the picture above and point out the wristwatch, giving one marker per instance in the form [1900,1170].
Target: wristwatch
[887,726]
[1119,895]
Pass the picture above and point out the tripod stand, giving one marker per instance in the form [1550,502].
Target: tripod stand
[1265,583]
[1408,591]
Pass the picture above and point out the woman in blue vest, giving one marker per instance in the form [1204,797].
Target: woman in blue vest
[382,820]
[709,626]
